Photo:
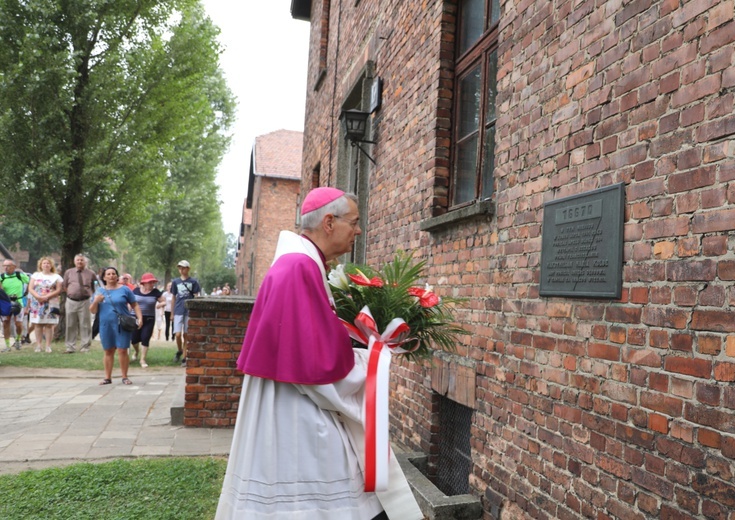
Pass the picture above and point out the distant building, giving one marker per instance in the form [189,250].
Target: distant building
[273,194]
[242,270]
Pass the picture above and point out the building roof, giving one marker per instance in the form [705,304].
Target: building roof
[278,154]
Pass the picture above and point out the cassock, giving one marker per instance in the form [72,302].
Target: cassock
[297,449]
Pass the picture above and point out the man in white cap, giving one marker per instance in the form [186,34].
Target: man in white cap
[182,288]
[293,454]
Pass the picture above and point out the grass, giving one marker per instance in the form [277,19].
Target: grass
[160,354]
[142,489]
[157,489]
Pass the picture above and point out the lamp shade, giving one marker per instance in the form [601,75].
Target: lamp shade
[354,123]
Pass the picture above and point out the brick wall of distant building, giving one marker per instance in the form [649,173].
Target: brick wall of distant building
[274,209]
[583,408]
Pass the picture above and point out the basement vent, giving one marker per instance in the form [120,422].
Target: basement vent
[455,460]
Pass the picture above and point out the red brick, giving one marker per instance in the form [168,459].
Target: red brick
[716,489]
[726,270]
[725,372]
[689,366]
[623,315]
[692,180]
[716,129]
[670,406]
[682,342]
[665,317]
[716,321]
[714,246]
[603,351]
[641,357]
[666,228]
[658,423]
[709,345]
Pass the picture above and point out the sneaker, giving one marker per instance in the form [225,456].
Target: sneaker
[177,357]
[183,362]
[85,349]
[6,349]
[17,344]
[37,349]
[48,350]
[27,339]
[70,351]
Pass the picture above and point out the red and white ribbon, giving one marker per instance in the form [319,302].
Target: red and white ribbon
[377,383]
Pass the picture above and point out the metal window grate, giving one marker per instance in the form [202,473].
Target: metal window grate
[455,459]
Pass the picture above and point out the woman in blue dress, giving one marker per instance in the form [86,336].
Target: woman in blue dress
[110,300]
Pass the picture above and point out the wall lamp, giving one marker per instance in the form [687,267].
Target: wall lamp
[354,123]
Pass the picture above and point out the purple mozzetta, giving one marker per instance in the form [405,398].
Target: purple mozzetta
[307,344]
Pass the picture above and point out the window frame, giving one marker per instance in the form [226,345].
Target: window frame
[478,53]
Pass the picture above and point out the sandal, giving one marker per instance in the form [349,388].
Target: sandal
[106,382]
[126,381]
[143,364]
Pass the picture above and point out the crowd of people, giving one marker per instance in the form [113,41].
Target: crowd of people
[95,305]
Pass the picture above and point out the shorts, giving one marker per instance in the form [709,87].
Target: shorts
[181,323]
[16,317]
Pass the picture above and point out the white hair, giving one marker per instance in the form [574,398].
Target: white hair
[338,207]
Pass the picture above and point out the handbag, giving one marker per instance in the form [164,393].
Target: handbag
[125,321]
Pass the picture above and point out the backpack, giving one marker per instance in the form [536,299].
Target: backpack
[5,303]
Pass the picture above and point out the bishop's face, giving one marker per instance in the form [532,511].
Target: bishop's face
[345,230]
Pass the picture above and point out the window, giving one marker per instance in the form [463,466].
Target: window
[476,65]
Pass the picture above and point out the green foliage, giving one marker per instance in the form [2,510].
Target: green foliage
[98,99]
[38,243]
[171,488]
[389,297]
[217,278]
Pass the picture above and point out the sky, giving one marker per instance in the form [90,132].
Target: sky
[265,62]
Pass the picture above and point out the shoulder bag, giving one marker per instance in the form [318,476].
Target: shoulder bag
[125,321]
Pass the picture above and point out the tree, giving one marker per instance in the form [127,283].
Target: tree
[96,97]
[231,258]
[182,226]
[17,235]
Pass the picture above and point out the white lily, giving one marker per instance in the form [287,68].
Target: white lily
[338,279]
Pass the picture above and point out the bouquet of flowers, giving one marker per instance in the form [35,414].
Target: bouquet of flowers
[394,292]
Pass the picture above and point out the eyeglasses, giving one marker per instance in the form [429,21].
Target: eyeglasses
[353,223]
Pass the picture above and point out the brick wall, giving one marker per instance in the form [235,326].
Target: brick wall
[583,408]
[274,209]
[213,384]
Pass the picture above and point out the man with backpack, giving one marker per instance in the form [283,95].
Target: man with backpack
[14,283]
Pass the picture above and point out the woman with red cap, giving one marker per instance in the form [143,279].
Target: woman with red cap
[147,296]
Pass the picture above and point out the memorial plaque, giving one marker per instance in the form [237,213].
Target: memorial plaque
[582,245]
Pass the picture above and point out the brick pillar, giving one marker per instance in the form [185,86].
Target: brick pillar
[213,383]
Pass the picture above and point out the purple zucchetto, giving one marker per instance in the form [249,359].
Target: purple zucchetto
[318,198]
